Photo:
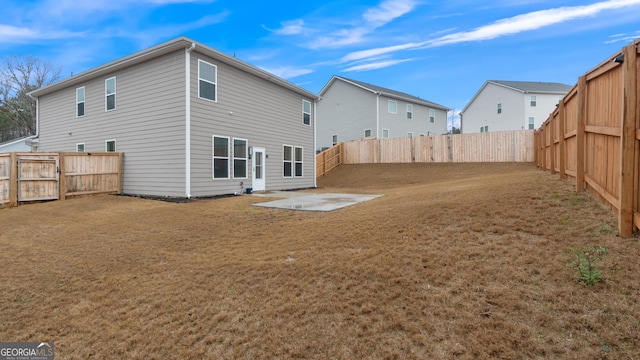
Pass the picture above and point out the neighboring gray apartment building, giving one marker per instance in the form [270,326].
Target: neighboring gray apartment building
[350,109]
[190,120]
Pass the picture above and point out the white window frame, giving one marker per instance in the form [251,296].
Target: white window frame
[306,115]
[486,128]
[285,161]
[409,134]
[296,161]
[106,145]
[245,158]
[365,133]
[78,147]
[383,131]
[334,139]
[409,111]
[432,116]
[395,106]
[214,83]
[107,94]
[214,157]
[533,101]
[499,108]
[83,102]
[532,122]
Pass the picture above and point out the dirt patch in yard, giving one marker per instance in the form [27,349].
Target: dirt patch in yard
[460,261]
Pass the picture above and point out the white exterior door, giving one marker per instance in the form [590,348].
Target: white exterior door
[258,163]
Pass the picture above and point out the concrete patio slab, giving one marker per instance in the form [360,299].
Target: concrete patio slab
[317,202]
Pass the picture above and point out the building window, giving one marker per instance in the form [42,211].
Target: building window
[385,133]
[432,116]
[110,94]
[334,140]
[486,128]
[392,107]
[409,111]
[109,146]
[481,128]
[367,133]
[421,134]
[239,158]
[298,161]
[500,108]
[207,81]
[220,157]
[287,158]
[531,123]
[80,147]
[80,101]
[533,100]
[306,112]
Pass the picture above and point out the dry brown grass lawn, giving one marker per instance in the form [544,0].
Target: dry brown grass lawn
[459,261]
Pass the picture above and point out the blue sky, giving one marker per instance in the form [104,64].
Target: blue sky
[442,51]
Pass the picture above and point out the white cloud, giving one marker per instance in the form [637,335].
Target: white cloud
[376,65]
[509,26]
[292,27]
[14,34]
[287,72]
[387,11]
[622,37]
[367,23]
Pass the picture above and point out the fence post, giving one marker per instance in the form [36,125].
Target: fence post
[120,171]
[628,140]
[552,144]
[324,162]
[13,180]
[561,129]
[580,133]
[62,177]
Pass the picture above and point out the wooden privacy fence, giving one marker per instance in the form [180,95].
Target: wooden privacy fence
[503,146]
[593,136]
[329,159]
[27,177]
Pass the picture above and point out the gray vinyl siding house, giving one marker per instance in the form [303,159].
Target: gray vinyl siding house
[511,105]
[167,107]
[350,109]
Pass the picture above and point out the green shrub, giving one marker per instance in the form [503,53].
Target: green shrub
[586,263]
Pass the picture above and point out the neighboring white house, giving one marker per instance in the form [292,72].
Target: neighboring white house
[350,109]
[190,120]
[23,144]
[511,105]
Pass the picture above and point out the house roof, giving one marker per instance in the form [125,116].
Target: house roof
[383,91]
[162,49]
[15,141]
[535,87]
[525,87]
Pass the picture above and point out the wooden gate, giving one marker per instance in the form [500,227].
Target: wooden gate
[38,179]
[5,177]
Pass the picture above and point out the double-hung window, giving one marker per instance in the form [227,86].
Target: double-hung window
[298,161]
[409,111]
[500,108]
[287,163]
[392,107]
[385,133]
[306,112]
[80,101]
[533,100]
[531,123]
[220,157]
[334,140]
[207,81]
[432,116]
[367,133]
[110,94]
[239,158]
[80,147]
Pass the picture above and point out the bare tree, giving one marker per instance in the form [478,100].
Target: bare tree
[18,76]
